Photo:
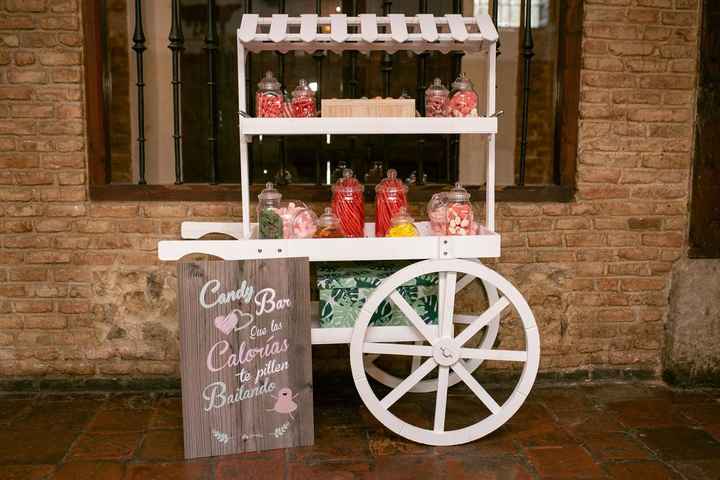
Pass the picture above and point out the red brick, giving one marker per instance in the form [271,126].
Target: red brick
[47,257]
[113,210]
[53,225]
[25,274]
[33,306]
[27,76]
[643,284]
[665,239]
[16,22]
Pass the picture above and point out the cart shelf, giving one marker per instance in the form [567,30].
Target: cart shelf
[366,126]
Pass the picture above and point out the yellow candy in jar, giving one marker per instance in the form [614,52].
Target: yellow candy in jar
[402,225]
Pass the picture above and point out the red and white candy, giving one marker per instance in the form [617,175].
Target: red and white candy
[460,219]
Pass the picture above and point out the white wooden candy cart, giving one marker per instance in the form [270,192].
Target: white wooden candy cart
[445,346]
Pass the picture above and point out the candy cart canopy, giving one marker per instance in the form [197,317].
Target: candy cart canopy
[366,32]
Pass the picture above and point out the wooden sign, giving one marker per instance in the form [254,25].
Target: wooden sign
[245,355]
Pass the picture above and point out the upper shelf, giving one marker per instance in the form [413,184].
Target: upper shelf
[366,126]
[366,32]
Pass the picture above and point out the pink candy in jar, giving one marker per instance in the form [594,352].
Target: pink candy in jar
[436,99]
[269,100]
[303,101]
[437,214]
[463,99]
[304,224]
[459,214]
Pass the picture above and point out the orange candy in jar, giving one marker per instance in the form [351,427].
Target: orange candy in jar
[328,225]
[463,99]
[303,101]
[390,197]
[269,100]
[459,214]
[348,204]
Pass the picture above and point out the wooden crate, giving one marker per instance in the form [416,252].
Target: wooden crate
[374,107]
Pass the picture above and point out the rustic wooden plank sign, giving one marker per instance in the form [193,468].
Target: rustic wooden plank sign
[245,355]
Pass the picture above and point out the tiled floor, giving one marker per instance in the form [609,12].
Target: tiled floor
[627,431]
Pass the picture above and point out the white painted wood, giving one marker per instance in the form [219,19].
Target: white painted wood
[457,27]
[415,363]
[499,413]
[486,26]
[366,126]
[441,398]
[489,354]
[368,27]
[448,310]
[490,170]
[428,27]
[412,316]
[338,27]
[488,316]
[397,349]
[398,27]
[339,336]
[308,27]
[278,27]
[248,27]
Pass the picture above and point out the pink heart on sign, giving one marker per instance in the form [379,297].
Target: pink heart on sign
[227,323]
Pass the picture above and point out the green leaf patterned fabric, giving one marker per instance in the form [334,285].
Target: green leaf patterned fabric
[344,289]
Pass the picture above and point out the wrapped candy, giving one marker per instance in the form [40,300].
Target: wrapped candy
[390,197]
[269,100]
[459,214]
[436,99]
[348,204]
[329,225]
[463,99]
[303,101]
[270,223]
[437,214]
[402,225]
[304,223]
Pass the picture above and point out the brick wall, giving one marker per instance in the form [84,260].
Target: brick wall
[81,291]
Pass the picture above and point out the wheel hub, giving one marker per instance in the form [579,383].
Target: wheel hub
[446,352]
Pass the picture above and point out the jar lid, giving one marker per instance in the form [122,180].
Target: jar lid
[457,194]
[401,217]
[302,89]
[462,83]
[438,200]
[348,183]
[437,88]
[328,219]
[391,183]
[269,193]
[269,82]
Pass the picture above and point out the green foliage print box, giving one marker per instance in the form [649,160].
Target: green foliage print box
[344,289]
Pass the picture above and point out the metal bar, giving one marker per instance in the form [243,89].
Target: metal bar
[139,48]
[176,46]
[528,54]
[250,100]
[107,92]
[211,47]
[494,16]
[282,141]
[387,61]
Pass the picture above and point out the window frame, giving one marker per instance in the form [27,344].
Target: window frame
[97,91]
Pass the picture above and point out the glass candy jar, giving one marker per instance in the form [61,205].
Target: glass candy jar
[328,225]
[303,101]
[269,100]
[459,212]
[436,99]
[348,204]
[402,225]
[304,223]
[437,214]
[463,98]
[270,223]
[390,197]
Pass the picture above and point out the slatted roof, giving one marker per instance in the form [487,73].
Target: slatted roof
[366,32]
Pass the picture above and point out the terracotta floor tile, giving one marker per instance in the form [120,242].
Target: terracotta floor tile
[130,401]
[483,468]
[533,426]
[680,443]
[120,420]
[332,445]
[251,466]
[606,446]
[34,447]
[58,416]
[385,442]
[647,413]
[162,446]
[699,469]
[90,471]
[332,471]
[168,471]
[564,462]
[704,413]
[11,409]
[713,430]
[26,472]
[611,392]
[590,421]
[119,446]
[407,467]
[558,400]
[644,470]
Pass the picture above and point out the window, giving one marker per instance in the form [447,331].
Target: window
[548,155]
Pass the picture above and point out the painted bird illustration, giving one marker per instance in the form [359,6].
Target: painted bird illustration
[284,402]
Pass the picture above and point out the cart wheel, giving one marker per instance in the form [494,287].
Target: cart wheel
[389,380]
[445,351]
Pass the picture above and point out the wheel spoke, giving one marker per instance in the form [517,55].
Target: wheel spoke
[492,354]
[448,280]
[412,316]
[476,388]
[415,360]
[441,398]
[408,383]
[397,349]
[464,282]
[487,317]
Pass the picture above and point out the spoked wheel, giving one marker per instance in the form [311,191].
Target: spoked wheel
[446,351]
[383,376]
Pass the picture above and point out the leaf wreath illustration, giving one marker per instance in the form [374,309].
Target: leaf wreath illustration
[281,430]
